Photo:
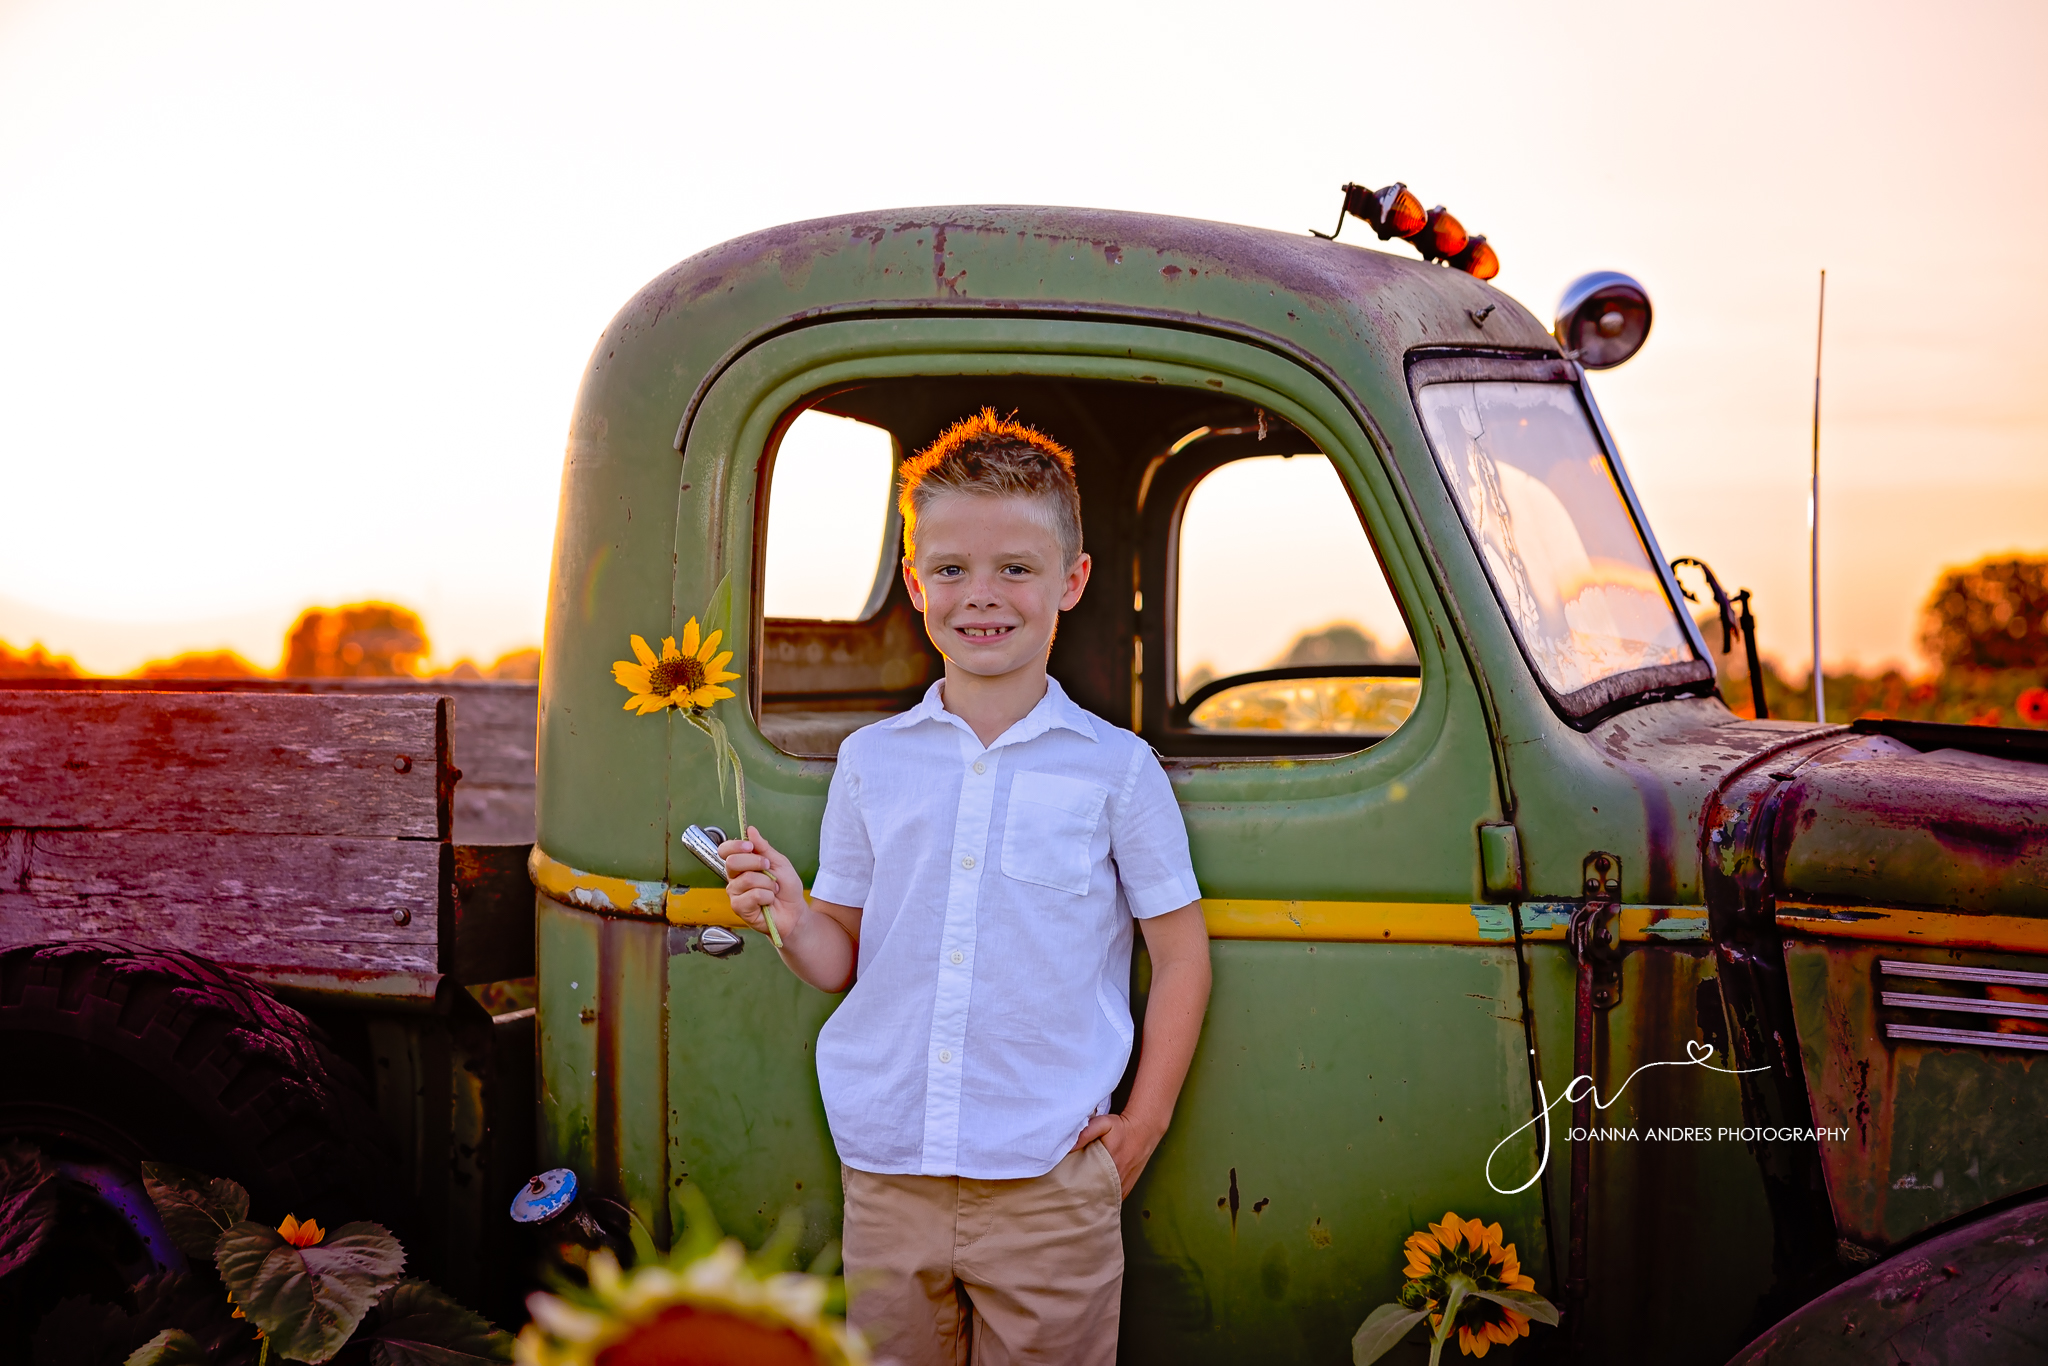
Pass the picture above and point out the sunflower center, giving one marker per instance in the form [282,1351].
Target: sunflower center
[670,675]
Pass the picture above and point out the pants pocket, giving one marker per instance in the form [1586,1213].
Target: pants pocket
[1108,1165]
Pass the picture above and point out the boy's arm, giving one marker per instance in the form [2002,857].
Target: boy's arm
[820,939]
[1179,945]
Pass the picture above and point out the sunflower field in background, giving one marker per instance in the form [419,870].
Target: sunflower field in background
[1985,629]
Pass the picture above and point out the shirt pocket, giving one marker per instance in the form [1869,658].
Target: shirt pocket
[1049,835]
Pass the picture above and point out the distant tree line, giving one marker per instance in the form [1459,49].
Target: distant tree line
[360,640]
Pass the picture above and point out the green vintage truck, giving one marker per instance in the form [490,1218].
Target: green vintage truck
[1470,819]
[1490,830]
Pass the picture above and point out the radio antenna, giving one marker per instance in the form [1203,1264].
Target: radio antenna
[1820,706]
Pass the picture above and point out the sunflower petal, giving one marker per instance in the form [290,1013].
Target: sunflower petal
[642,653]
[630,675]
[690,636]
[708,694]
[723,658]
[668,648]
[710,644]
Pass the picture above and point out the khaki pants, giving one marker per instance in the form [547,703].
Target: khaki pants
[944,1270]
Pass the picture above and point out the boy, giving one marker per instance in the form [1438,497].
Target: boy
[982,858]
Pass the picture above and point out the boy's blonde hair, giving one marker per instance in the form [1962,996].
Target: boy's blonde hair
[996,456]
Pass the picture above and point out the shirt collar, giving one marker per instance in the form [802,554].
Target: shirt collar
[1055,710]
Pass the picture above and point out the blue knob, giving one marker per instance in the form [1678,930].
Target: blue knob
[545,1196]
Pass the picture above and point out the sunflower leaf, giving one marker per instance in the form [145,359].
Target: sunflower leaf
[691,1212]
[308,1300]
[196,1209]
[1382,1329]
[172,1347]
[718,610]
[721,742]
[419,1324]
[1526,1302]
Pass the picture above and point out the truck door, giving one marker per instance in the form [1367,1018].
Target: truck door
[1263,611]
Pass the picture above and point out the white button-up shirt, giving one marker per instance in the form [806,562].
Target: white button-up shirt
[990,1016]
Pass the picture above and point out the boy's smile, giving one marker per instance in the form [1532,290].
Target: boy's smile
[988,578]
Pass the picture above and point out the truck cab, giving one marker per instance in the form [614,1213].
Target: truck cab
[1469,817]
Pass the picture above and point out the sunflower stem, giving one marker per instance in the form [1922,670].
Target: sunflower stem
[722,754]
[1459,1285]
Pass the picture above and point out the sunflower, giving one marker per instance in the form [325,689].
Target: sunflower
[687,678]
[307,1234]
[1465,1246]
[712,1308]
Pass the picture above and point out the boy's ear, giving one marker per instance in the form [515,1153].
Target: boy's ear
[1077,579]
[910,583]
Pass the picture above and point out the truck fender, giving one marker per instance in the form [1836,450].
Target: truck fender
[1977,1293]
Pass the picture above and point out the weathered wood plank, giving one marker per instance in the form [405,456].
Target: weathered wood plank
[494,732]
[324,764]
[493,815]
[276,902]
[493,737]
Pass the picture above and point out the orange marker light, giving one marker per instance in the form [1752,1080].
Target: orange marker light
[1403,213]
[1441,238]
[1393,211]
[1477,259]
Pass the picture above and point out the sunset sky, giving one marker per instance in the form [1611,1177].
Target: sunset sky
[294,299]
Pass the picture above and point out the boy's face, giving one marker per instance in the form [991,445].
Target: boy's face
[988,578]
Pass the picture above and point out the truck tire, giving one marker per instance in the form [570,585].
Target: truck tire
[125,1054]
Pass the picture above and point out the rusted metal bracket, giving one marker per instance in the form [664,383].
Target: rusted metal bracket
[1595,930]
[1594,936]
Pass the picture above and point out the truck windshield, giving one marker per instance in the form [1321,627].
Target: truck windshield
[1532,481]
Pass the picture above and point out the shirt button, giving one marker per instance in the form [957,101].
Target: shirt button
[980,767]
[945,1055]
[959,957]
[967,862]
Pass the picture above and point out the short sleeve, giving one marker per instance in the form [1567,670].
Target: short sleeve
[846,857]
[1149,842]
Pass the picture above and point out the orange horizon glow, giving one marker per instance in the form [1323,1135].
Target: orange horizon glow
[298,300]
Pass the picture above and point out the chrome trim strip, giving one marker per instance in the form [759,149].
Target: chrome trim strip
[1981,1038]
[1949,973]
[1969,1005]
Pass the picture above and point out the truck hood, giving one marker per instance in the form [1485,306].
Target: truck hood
[1907,815]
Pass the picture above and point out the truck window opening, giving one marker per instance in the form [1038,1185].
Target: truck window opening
[1276,573]
[829,513]
[841,646]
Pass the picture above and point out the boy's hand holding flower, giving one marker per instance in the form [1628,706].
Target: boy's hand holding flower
[764,878]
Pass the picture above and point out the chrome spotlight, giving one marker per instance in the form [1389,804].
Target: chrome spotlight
[1603,319]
